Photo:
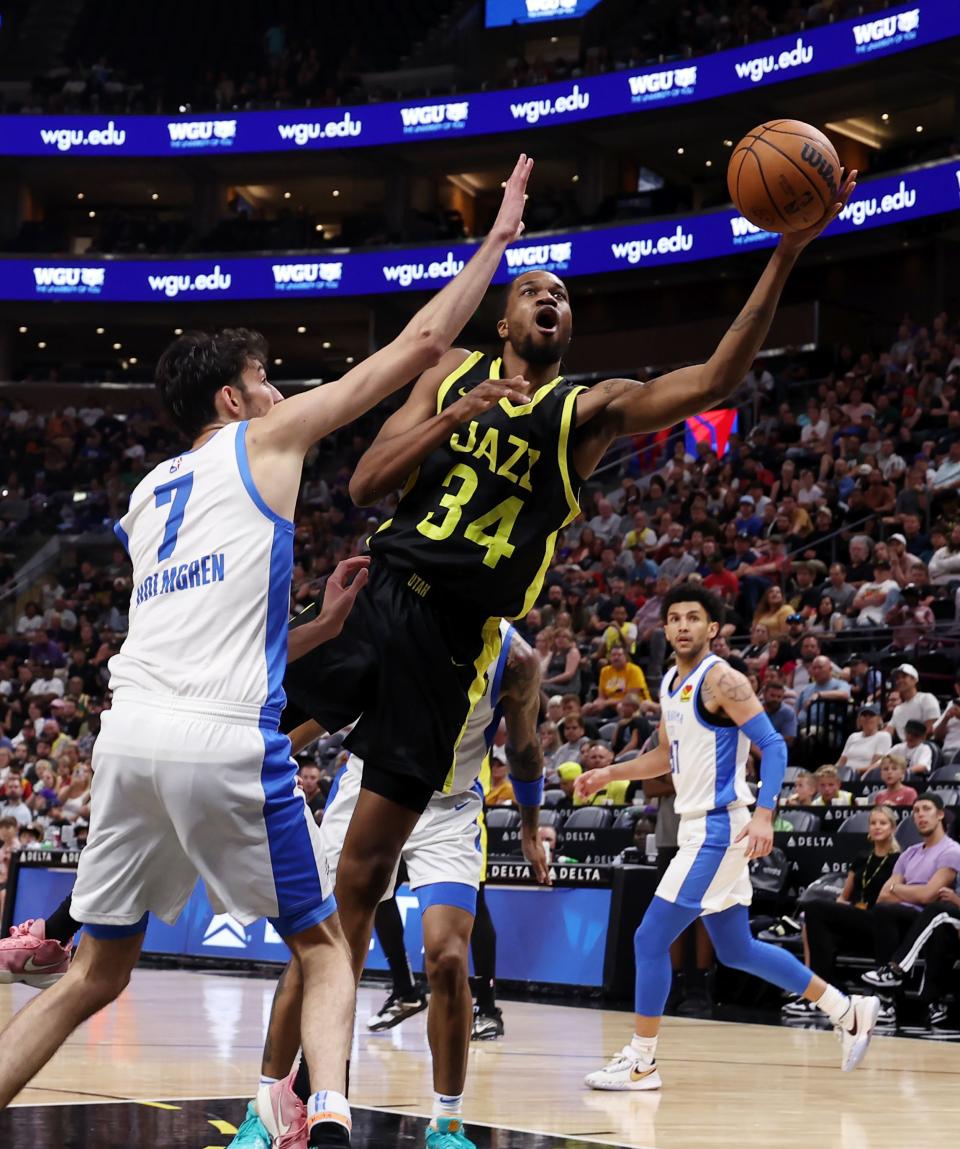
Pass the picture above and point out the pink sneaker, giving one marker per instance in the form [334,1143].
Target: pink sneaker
[283,1114]
[29,957]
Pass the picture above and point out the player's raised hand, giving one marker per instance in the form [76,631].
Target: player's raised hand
[486,395]
[508,226]
[591,781]
[798,240]
[344,584]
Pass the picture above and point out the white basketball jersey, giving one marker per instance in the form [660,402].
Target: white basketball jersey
[483,721]
[707,761]
[211,584]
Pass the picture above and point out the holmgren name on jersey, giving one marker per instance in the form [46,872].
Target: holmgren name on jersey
[181,576]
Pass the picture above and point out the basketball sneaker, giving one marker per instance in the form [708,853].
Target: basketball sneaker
[487,1024]
[447,1133]
[396,1009]
[855,1032]
[28,956]
[625,1071]
[252,1134]
[886,977]
[283,1114]
[800,1007]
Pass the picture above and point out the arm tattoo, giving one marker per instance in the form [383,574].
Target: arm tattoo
[749,316]
[733,686]
[525,762]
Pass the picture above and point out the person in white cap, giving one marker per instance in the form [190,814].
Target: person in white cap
[915,704]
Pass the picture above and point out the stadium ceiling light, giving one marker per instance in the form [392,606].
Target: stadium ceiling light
[575,178]
[154,196]
[79,195]
[301,330]
[326,344]
[91,215]
[709,163]
[349,359]
[117,346]
[277,362]
[42,344]
[22,330]
[885,117]
[178,330]
[554,39]
[319,227]
[728,143]
[182,109]
[679,153]
[100,330]
[287,195]
[336,192]
[919,127]
[133,359]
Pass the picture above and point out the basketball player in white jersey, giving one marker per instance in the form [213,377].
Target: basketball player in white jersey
[444,857]
[710,716]
[192,776]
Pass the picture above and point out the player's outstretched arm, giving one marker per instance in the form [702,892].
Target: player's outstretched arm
[299,422]
[653,764]
[520,699]
[626,407]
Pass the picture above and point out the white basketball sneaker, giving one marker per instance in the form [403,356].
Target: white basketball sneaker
[855,1032]
[627,1070]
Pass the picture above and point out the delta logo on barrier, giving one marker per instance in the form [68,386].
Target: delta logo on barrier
[759,67]
[633,251]
[544,257]
[666,85]
[69,280]
[435,117]
[304,133]
[202,133]
[179,283]
[63,139]
[307,276]
[532,111]
[886,31]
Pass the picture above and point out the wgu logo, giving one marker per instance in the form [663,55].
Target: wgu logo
[69,280]
[307,276]
[886,30]
[663,85]
[547,256]
[435,117]
[537,9]
[202,133]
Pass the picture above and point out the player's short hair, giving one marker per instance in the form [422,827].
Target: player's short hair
[197,365]
[692,592]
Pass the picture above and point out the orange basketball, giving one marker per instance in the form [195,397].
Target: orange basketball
[784,175]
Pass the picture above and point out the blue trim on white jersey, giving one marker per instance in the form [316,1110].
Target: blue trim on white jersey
[456,894]
[296,877]
[278,609]
[243,462]
[490,730]
[708,860]
[678,685]
[114,933]
[122,536]
[335,786]
[726,743]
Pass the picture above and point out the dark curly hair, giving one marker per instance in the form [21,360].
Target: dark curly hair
[197,365]
[693,592]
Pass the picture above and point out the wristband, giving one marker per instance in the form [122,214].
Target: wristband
[528,793]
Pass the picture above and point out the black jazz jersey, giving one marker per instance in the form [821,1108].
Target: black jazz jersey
[478,520]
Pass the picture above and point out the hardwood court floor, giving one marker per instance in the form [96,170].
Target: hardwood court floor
[179,1034]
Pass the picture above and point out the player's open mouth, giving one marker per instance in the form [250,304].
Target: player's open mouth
[547,319]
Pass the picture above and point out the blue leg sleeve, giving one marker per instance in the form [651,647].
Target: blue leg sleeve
[662,924]
[736,947]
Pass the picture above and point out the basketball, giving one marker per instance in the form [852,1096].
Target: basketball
[784,175]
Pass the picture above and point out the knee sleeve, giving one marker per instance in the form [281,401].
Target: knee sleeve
[736,947]
[662,923]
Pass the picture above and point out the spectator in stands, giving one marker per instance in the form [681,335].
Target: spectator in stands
[632,728]
[947,728]
[866,682]
[822,688]
[893,770]
[782,717]
[868,743]
[911,619]
[574,740]
[827,621]
[875,598]
[848,921]
[309,776]
[945,561]
[563,665]
[568,773]
[721,648]
[828,788]
[617,679]
[606,522]
[919,875]
[913,703]
[13,805]
[914,748]
[501,790]
[838,589]
[859,569]
[805,790]
[549,734]
[757,654]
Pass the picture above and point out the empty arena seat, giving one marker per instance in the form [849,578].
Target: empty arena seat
[908,834]
[625,819]
[551,798]
[946,776]
[502,818]
[589,818]
[872,777]
[825,889]
[950,797]
[847,774]
[803,821]
[857,823]
[607,731]
[552,818]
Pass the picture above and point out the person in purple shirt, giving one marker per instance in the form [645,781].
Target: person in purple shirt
[921,872]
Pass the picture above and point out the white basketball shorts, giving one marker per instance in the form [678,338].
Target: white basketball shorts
[445,853]
[710,871]
[178,793]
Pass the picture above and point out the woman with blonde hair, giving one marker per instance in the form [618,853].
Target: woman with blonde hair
[849,919]
[773,612]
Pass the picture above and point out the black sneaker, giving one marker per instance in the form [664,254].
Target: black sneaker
[887,1017]
[800,1007]
[329,1135]
[886,977]
[936,1014]
[487,1025]
[396,1009]
[783,929]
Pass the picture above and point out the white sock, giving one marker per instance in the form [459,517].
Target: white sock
[645,1047]
[445,1105]
[268,1081]
[328,1106]
[836,1006]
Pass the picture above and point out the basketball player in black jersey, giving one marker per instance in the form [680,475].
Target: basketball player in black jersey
[490,472]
